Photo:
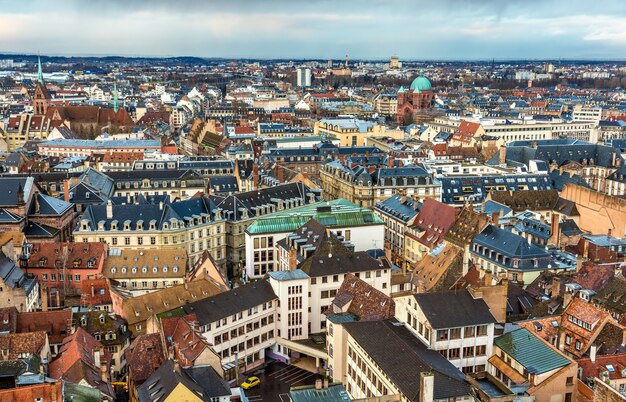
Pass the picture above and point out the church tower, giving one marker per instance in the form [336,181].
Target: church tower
[41,97]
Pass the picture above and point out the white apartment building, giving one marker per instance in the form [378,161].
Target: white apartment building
[358,225]
[457,325]
[240,324]
[403,369]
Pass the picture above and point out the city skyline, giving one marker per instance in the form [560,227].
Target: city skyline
[424,30]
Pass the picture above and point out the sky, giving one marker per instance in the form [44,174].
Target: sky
[322,29]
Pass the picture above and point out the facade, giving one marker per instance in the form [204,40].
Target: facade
[582,131]
[64,147]
[62,267]
[303,78]
[415,101]
[503,253]
[456,324]
[360,226]
[16,288]
[195,224]
[242,209]
[397,212]
[177,184]
[239,323]
[530,367]
[367,184]
[139,272]
[404,369]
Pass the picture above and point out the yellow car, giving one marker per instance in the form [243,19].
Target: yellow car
[251,382]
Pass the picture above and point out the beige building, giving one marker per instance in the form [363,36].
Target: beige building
[353,132]
[140,272]
[532,367]
[195,225]
[367,185]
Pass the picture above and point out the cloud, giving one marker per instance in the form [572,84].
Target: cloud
[413,29]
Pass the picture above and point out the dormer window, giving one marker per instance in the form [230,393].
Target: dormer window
[77,262]
[43,261]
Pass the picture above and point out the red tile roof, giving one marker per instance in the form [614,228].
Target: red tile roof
[43,392]
[434,220]
[20,344]
[80,346]
[56,323]
[144,356]
[95,292]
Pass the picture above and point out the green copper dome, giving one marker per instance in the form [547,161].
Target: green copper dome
[421,83]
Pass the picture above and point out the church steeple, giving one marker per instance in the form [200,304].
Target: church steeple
[116,106]
[39,71]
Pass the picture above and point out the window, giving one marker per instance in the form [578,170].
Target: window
[455,333]
[568,339]
[569,381]
[481,330]
[579,345]
[470,332]
[442,334]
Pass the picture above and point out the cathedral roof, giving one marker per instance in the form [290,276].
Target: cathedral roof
[421,83]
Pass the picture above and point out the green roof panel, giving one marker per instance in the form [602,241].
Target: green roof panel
[530,352]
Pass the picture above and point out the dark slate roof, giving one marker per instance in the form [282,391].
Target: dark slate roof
[52,206]
[395,208]
[231,302]
[182,211]
[223,184]
[454,309]
[562,152]
[532,353]
[11,187]
[477,186]
[13,276]
[332,257]
[559,180]
[512,246]
[212,384]
[232,205]
[402,357]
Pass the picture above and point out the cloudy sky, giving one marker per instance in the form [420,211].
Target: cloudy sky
[368,29]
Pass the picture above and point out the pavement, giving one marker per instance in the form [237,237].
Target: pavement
[276,380]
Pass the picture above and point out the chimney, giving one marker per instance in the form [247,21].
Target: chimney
[66,190]
[579,262]
[293,259]
[255,175]
[93,291]
[318,384]
[567,299]
[43,290]
[592,353]
[109,208]
[427,387]
[176,366]
[403,198]
[617,271]
[36,198]
[390,161]
[556,287]
[325,383]
[160,205]
[488,278]
[58,298]
[128,198]
[502,155]
[495,218]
